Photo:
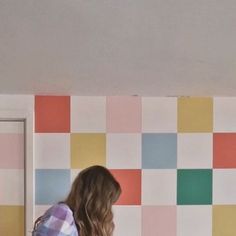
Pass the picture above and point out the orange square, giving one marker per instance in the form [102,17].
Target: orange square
[224,150]
[130,181]
[52,114]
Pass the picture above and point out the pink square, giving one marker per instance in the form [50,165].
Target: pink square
[12,151]
[159,221]
[124,114]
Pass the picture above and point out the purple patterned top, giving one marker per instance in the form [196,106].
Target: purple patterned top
[57,221]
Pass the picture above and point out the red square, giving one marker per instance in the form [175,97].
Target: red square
[130,181]
[224,150]
[52,114]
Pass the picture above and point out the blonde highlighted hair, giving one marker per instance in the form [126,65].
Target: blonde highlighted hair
[92,195]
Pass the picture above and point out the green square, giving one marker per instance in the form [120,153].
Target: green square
[194,187]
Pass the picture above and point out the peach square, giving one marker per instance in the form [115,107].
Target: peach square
[130,181]
[124,114]
[159,220]
[224,150]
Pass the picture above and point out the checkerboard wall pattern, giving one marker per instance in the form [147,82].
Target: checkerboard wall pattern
[174,157]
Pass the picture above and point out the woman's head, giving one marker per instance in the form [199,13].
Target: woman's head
[92,195]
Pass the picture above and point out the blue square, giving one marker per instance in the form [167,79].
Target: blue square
[52,186]
[159,151]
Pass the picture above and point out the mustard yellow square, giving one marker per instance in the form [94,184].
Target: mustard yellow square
[195,114]
[87,149]
[223,220]
[12,220]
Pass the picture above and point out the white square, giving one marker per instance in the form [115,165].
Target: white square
[17,102]
[224,114]
[10,127]
[159,115]
[127,220]
[40,210]
[88,114]
[52,151]
[224,187]
[194,220]
[73,174]
[195,150]
[159,187]
[124,151]
[12,187]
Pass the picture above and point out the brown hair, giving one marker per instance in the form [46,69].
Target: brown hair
[92,195]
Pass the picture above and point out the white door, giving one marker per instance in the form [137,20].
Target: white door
[12,177]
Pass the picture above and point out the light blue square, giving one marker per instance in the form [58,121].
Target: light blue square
[159,151]
[52,185]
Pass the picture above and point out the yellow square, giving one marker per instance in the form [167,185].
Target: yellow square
[12,220]
[87,150]
[223,221]
[195,114]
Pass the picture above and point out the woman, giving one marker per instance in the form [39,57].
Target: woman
[87,210]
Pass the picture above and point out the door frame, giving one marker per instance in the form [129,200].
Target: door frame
[28,118]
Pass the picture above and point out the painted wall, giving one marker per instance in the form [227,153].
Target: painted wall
[175,158]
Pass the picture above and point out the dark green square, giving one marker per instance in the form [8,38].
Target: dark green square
[194,187]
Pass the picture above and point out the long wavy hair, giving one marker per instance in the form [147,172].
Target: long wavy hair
[92,195]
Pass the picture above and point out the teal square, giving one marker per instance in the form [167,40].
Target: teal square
[194,187]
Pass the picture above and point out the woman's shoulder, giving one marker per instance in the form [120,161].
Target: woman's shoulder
[57,220]
[61,211]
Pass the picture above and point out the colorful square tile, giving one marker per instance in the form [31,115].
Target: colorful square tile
[51,186]
[159,151]
[130,181]
[224,220]
[195,150]
[224,114]
[52,114]
[194,220]
[224,188]
[88,114]
[159,187]
[127,220]
[159,115]
[52,151]
[159,220]
[12,151]
[88,150]
[195,114]
[12,187]
[194,187]
[124,151]
[12,220]
[224,150]
[124,114]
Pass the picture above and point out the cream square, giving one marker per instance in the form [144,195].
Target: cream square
[127,220]
[124,151]
[12,187]
[224,114]
[159,187]
[224,187]
[194,220]
[159,115]
[195,150]
[39,210]
[88,114]
[52,151]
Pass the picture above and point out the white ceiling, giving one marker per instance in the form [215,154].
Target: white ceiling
[118,47]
